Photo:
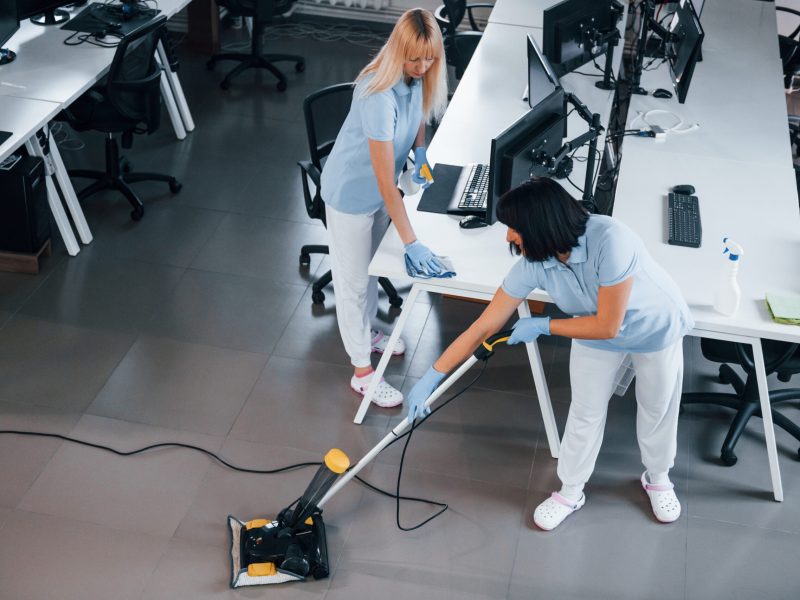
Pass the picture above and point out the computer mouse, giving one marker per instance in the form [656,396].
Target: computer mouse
[662,93]
[684,189]
[471,222]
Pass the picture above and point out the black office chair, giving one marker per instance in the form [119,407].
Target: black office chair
[127,98]
[450,14]
[789,49]
[325,111]
[782,358]
[262,12]
[459,46]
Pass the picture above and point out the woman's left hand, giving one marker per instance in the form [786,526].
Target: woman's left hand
[528,329]
[420,159]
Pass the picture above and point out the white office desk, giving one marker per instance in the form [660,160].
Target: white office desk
[47,70]
[20,116]
[740,164]
[744,29]
[486,102]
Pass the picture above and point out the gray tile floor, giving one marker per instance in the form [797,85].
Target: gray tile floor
[196,325]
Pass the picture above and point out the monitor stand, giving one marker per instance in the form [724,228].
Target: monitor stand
[54,16]
[6,56]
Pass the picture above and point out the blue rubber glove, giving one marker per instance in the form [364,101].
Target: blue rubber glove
[528,329]
[420,158]
[421,392]
[423,259]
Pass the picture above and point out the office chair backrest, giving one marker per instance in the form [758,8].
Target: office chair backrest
[134,78]
[325,111]
[263,10]
[789,49]
[454,10]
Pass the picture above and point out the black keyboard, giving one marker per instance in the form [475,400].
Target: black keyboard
[474,195]
[685,228]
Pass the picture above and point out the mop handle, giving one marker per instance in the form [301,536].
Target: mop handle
[483,352]
[396,432]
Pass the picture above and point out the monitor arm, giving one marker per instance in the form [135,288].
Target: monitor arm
[560,164]
[610,38]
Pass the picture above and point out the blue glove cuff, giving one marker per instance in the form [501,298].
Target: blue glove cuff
[547,322]
[433,376]
[407,246]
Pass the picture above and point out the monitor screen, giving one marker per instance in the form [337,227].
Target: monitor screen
[569,29]
[32,8]
[538,130]
[683,50]
[8,20]
[542,80]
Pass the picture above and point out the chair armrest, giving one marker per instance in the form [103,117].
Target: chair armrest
[314,205]
[470,16]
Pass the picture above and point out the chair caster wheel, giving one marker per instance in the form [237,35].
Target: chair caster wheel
[305,260]
[225,84]
[728,458]
[724,375]
[175,186]
[125,164]
[300,67]
[211,64]
[317,297]
[137,213]
[396,302]
[281,85]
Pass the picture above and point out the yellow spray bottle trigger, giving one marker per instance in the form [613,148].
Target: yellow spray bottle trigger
[426,173]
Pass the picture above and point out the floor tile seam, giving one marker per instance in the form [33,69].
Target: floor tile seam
[747,526]
[247,397]
[460,478]
[27,299]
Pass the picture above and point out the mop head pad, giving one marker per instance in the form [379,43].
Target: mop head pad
[254,574]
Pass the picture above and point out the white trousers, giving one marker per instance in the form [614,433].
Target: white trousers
[659,382]
[353,240]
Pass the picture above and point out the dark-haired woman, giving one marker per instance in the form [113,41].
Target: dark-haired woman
[626,310]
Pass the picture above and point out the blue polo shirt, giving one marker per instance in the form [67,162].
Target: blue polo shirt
[607,254]
[393,115]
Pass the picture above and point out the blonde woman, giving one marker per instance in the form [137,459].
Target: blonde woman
[401,89]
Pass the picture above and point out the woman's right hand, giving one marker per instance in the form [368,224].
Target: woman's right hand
[421,392]
[423,259]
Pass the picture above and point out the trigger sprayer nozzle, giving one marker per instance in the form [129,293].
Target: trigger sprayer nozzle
[735,250]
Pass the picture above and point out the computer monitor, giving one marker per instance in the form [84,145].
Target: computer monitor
[576,31]
[542,80]
[683,46]
[43,12]
[8,26]
[512,156]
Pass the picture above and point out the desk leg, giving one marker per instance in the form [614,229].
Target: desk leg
[542,392]
[177,90]
[54,200]
[169,102]
[70,197]
[387,353]
[766,413]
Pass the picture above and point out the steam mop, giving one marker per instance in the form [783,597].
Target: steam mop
[293,546]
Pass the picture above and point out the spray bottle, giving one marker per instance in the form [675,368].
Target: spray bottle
[728,295]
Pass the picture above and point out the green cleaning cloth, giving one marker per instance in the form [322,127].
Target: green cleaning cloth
[784,309]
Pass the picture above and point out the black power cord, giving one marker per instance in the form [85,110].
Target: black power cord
[396,496]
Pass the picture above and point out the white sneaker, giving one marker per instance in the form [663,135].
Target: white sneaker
[665,504]
[552,512]
[380,339]
[385,395]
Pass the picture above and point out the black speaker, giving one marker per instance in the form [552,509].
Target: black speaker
[24,212]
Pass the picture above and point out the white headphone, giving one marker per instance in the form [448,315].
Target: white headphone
[673,129]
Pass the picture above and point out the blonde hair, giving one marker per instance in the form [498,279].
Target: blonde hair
[416,35]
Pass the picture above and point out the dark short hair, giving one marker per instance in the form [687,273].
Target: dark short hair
[547,218]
